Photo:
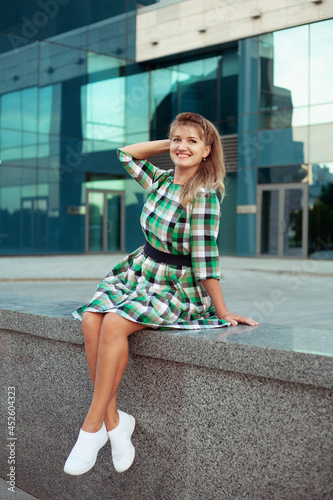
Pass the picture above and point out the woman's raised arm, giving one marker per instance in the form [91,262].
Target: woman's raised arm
[143,150]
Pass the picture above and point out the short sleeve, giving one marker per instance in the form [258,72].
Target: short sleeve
[204,231]
[144,172]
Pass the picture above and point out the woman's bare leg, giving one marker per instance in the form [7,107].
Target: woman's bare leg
[106,342]
[91,329]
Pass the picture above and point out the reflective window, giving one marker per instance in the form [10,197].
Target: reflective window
[137,107]
[320,142]
[15,16]
[18,197]
[103,103]
[18,147]
[283,58]
[163,100]
[228,94]
[278,175]
[57,18]
[321,211]
[197,82]
[208,86]
[284,146]
[228,224]
[321,62]
[49,109]
[19,110]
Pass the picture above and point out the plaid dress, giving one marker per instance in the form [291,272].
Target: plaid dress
[156,294]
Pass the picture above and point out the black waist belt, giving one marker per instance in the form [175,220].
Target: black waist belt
[167,258]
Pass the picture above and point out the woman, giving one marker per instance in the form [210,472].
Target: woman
[170,282]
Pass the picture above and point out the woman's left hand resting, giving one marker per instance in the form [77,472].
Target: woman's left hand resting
[234,319]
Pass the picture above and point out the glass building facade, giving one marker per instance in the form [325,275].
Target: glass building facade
[71,93]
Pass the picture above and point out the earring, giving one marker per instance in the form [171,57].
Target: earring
[203,158]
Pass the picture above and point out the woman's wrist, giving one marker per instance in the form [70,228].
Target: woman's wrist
[143,150]
[224,313]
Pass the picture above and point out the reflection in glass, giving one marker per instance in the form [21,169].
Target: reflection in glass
[321,211]
[320,142]
[321,62]
[284,68]
[18,148]
[103,101]
[104,219]
[18,194]
[113,211]
[270,222]
[322,113]
[293,215]
[96,215]
[283,174]
[137,108]
[49,109]
[228,95]
[19,110]
[285,146]
[67,19]
[197,82]
[163,100]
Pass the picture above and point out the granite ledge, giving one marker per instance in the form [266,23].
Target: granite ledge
[290,354]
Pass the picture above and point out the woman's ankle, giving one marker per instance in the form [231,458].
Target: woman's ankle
[90,425]
[111,420]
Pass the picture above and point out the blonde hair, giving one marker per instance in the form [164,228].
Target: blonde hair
[211,173]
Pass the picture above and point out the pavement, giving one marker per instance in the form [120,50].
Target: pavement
[276,291]
[16,494]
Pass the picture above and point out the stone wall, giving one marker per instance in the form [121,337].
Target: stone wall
[221,414]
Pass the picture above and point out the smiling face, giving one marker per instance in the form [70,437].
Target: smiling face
[187,149]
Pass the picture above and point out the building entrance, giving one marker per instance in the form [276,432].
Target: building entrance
[104,221]
[282,220]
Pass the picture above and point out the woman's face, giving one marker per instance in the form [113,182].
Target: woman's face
[187,148]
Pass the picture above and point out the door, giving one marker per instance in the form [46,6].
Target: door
[282,220]
[104,221]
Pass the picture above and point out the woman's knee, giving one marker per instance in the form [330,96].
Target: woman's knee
[115,326]
[91,324]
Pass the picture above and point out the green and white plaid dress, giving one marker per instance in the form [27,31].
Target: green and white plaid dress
[156,294]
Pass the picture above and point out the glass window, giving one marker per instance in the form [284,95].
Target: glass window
[321,211]
[284,118]
[229,92]
[286,173]
[227,239]
[17,147]
[17,15]
[103,101]
[59,18]
[163,100]
[197,82]
[321,146]
[49,109]
[19,110]
[17,214]
[322,113]
[283,58]
[321,62]
[137,107]
[285,146]
[58,63]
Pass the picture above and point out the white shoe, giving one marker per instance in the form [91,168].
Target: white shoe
[84,454]
[122,449]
